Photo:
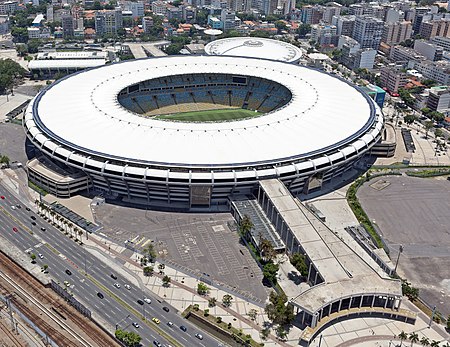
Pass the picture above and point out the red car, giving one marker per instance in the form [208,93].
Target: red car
[2,197]
[15,229]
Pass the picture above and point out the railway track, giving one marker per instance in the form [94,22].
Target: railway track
[5,332]
[31,290]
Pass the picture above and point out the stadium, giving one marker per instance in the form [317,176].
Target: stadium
[189,132]
[253,47]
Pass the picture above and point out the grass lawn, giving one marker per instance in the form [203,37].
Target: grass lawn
[210,115]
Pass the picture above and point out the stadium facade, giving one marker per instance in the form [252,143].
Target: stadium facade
[99,127]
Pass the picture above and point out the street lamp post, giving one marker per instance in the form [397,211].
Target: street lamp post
[117,324]
[400,250]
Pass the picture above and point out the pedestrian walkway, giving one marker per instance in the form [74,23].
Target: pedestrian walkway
[182,291]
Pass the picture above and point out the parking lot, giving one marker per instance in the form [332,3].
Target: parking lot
[201,244]
[414,212]
[12,142]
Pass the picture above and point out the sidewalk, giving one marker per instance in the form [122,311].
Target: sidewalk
[182,291]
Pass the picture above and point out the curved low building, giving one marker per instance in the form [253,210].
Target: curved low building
[106,122]
[255,47]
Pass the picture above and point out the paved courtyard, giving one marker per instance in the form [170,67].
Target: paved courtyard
[415,212]
[201,244]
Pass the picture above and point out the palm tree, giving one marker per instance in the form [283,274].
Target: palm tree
[413,337]
[80,232]
[267,249]
[52,215]
[424,341]
[402,336]
[434,343]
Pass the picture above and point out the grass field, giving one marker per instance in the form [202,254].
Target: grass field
[210,115]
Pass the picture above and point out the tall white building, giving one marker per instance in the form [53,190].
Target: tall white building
[394,33]
[331,9]
[435,70]
[344,24]
[136,8]
[368,31]
[107,22]
[429,50]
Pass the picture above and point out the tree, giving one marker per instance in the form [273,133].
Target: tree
[260,33]
[437,116]
[148,271]
[429,83]
[202,288]
[245,226]
[252,314]
[438,132]
[267,250]
[424,341]
[44,267]
[4,159]
[80,233]
[212,302]
[448,322]
[129,338]
[173,49]
[410,119]
[414,338]
[434,343]
[265,333]
[33,257]
[11,72]
[150,252]
[226,300]
[402,336]
[299,262]
[166,281]
[281,332]
[425,111]
[303,29]
[270,272]
[278,311]
[428,126]
[33,46]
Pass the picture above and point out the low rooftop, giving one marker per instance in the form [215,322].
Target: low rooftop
[344,272]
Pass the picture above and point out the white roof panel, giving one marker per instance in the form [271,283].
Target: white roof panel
[83,112]
[255,47]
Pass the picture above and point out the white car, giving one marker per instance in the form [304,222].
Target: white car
[127,286]
[117,285]
[40,256]
[13,207]
[135,325]
[147,300]
[170,324]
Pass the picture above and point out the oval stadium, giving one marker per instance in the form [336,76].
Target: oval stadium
[189,132]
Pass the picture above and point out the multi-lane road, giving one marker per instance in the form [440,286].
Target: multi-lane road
[117,306]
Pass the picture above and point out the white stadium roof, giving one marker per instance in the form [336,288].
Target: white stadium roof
[255,47]
[83,113]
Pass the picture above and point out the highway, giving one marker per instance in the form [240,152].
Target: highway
[119,306]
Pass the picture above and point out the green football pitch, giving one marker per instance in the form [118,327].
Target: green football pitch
[210,115]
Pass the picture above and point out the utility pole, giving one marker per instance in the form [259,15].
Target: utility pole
[432,316]
[400,250]
[8,304]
